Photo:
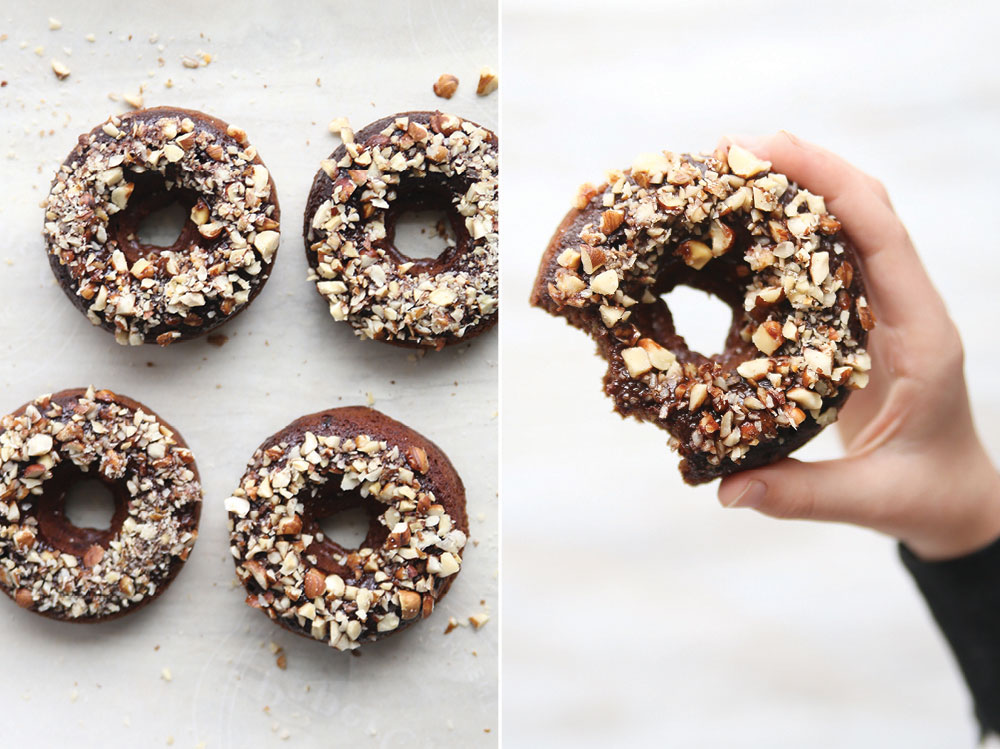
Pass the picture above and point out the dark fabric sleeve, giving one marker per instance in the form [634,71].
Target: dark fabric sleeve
[964,597]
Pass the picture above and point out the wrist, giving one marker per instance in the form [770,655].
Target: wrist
[971,517]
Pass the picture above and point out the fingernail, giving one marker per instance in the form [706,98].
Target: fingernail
[751,495]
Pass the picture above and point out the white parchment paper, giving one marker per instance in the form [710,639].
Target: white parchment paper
[281,71]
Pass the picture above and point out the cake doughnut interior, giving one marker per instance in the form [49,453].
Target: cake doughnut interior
[727,224]
[410,161]
[133,165]
[53,567]
[323,464]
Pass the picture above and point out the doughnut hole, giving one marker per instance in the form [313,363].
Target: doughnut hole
[700,318]
[162,227]
[341,522]
[425,205]
[97,505]
[705,304]
[347,528]
[156,219]
[423,234]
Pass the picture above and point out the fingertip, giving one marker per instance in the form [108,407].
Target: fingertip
[749,142]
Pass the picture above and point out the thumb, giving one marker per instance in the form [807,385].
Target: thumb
[828,490]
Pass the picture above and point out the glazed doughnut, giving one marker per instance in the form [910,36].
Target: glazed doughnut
[322,464]
[724,223]
[54,568]
[410,161]
[127,168]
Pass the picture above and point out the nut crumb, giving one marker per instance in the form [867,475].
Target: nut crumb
[488,81]
[61,71]
[445,86]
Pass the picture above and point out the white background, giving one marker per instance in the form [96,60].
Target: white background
[636,609]
[285,358]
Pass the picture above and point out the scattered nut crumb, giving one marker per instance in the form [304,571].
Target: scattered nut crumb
[478,620]
[488,81]
[166,675]
[54,24]
[61,71]
[133,100]
[445,86]
[199,60]
[217,339]
[90,38]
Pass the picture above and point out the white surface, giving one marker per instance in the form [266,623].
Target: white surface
[637,612]
[285,358]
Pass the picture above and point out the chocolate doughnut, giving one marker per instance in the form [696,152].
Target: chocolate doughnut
[724,223]
[410,161]
[127,168]
[56,569]
[320,465]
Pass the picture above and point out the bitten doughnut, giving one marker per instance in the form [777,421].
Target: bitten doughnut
[132,165]
[410,161]
[54,568]
[724,223]
[322,464]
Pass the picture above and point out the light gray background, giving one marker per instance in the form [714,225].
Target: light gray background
[636,609]
[285,358]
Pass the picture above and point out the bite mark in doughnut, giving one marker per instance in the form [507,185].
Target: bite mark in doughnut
[54,568]
[322,464]
[410,161]
[724,223]
[129,167]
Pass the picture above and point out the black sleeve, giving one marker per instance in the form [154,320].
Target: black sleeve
[964,596]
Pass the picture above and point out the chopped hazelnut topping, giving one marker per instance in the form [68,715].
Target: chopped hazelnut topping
[745,164]
[636,361]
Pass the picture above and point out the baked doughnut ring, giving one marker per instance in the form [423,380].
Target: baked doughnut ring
[726,224]
[410,161]
[56,569]
[135,164]
[320,465]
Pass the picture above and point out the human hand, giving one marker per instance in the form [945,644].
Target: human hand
[915,468]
